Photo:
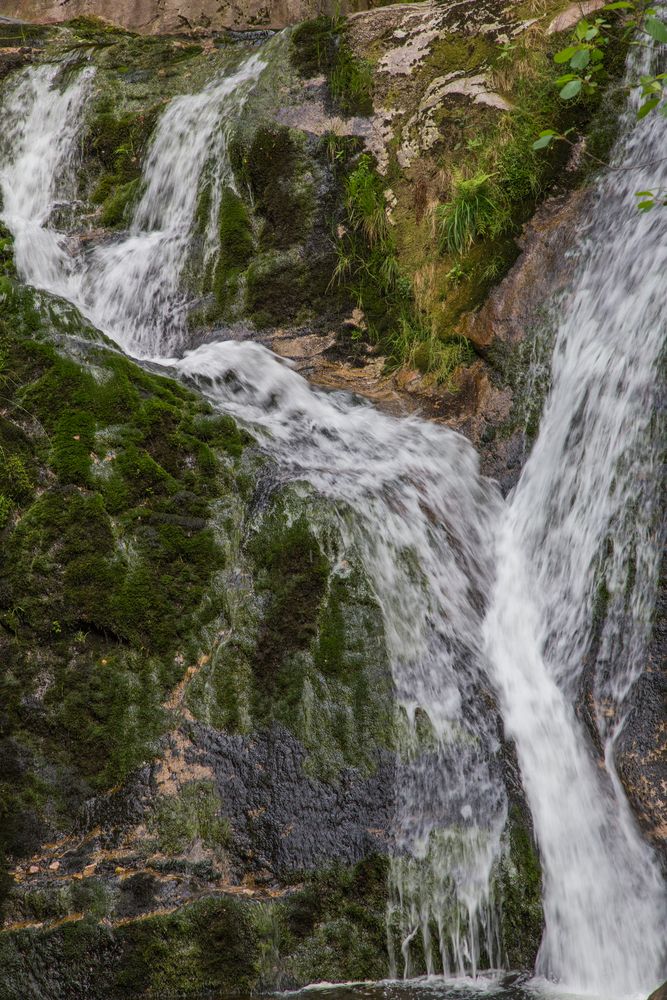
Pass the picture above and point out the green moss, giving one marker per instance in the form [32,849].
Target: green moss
[337,922]
[117,206]
[7,267]
[193,814]
[236,244]
[293,573]
[279,286]
[520,888]
[276,171]
[114,146]
[236,238]
[207,948]
[106,569]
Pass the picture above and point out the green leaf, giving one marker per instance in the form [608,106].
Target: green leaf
[565,54]
[657,29]
[580,59]
[648,106]
[645,206]
[570,89]
[543,141]
[644,194]
[619,5]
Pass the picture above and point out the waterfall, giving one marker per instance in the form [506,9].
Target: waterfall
[42,120]
[585,516]
[129,288]
[411,502]
[478,595]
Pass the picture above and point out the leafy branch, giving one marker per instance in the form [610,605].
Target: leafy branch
[584,60]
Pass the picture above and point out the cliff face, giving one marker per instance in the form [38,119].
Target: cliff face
[166,16]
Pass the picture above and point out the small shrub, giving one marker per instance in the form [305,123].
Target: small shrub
[365,203]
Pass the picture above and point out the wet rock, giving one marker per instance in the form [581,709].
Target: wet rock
[641,753]
[568,18]
[167,16]
[541,274]
[660,993]
[282,819]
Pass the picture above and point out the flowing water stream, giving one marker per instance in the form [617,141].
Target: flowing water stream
[478,594]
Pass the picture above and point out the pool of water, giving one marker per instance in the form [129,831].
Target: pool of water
[508,987]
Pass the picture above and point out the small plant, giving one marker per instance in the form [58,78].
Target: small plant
[365,202]
[474,210]
[5,510]
[456,274]
[351,83]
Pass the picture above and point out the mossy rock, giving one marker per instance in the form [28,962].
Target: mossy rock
[520,890]
[277,172]
[108,479]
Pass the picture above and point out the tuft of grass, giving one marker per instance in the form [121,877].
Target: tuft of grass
[320,46]
[365,203]
[475,210]
[351,83]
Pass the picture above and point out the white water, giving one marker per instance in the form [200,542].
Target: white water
[130,288]
[590,484]
[433,534]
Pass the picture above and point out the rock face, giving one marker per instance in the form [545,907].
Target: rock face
[168,16]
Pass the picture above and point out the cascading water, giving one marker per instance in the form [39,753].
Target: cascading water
[36,168]
[433,535]
[413,505]
[583,520]
[131,288]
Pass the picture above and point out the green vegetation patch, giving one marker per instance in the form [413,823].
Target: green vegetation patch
[321,46]
[108,474]
[177,821]
[114,145]
[520,890]
[331,927]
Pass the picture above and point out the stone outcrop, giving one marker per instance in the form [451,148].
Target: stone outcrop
[166,16]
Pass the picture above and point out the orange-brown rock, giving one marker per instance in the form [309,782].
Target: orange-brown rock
[542,271]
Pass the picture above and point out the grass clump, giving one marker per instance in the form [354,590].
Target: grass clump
[368,267]
[321,46]
[474,210]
